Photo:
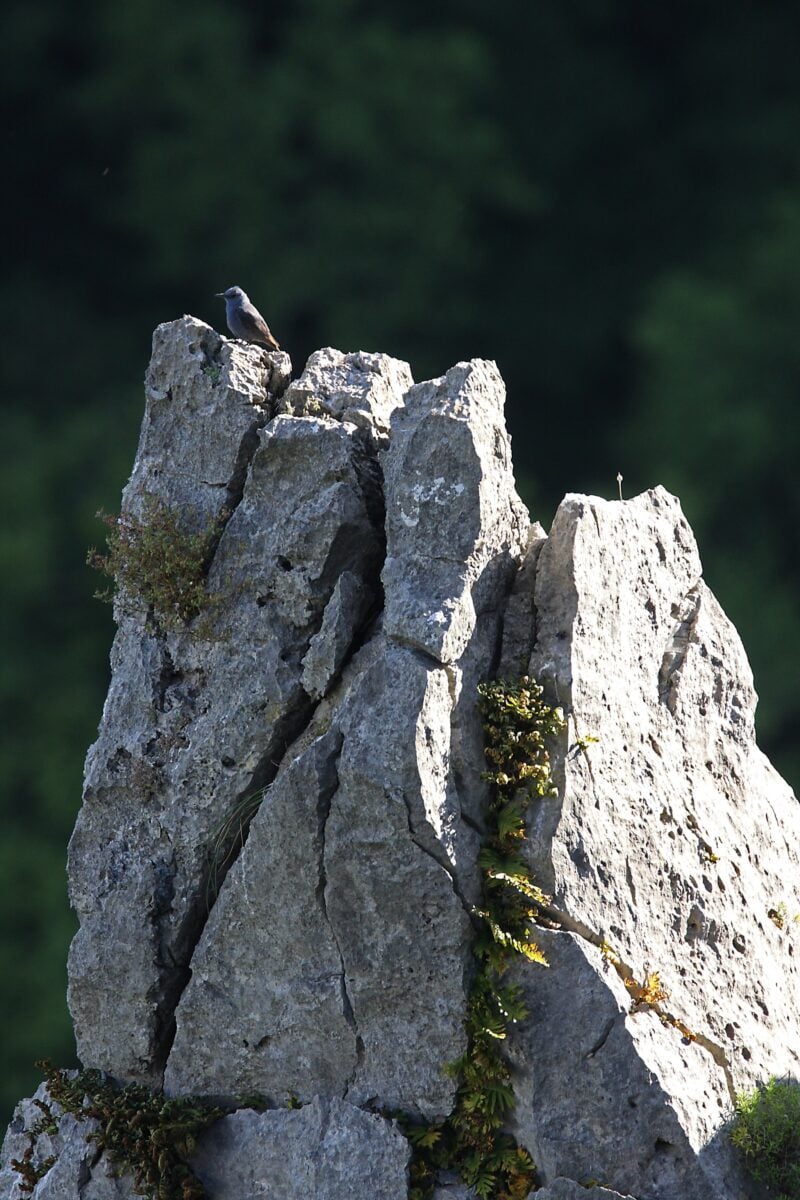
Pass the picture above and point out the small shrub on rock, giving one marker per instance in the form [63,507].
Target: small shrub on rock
[767,1131]
[155,563]
[145,1134]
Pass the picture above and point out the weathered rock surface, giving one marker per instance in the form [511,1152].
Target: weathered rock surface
[197,719]
[78,1173]
[226,390]
[567,1189]
[276,858]
[338,981]
[329,1150]
[453,527]
[360,389]
[672,839]
[343,617]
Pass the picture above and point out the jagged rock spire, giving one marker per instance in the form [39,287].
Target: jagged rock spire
[274,867]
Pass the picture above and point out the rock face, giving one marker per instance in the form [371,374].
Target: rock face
[672,840]
[329,1149]
[275,863]
[374,804]
[74,1174]
[197,719]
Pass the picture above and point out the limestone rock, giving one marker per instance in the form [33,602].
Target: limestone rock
[672,840]
[197,719]
[343,616]
[567,1189]
[339,946]
[222,388]
[266,1010]
[454,523]
[78,1172]
[360,389]
[275,864]
[329,1150]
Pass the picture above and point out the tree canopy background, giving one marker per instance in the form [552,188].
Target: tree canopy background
[603,196]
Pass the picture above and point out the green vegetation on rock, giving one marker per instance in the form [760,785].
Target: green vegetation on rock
[517,724]
[767,1131]
[144,1133]
[153,562]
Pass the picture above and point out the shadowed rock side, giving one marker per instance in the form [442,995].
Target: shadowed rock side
[672,839]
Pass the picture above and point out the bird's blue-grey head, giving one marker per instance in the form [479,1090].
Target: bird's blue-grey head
[233,293]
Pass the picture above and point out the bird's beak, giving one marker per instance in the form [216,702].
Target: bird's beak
[220,294]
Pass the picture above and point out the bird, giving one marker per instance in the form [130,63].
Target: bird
[244,319]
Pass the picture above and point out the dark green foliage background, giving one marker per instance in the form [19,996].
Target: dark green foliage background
[602,195]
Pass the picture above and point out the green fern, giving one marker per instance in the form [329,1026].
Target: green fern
[511,820]
[425,1136]
[517,725]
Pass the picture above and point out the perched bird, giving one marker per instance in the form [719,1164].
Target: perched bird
[244,319]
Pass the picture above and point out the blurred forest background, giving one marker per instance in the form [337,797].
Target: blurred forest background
[602,195]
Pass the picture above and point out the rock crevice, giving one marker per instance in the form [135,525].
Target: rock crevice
[635,983]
